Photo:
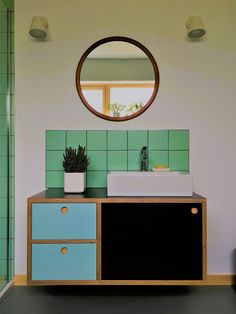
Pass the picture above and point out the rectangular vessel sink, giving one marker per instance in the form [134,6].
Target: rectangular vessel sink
[135,183]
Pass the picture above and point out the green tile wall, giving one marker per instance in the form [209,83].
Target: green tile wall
[7,152]
[112,150]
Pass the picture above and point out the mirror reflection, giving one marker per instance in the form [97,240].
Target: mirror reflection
[117,80]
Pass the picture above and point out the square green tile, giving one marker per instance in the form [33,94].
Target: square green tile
[157,158]
[12,228]
[3,185]
[3,228]
[3,248]
[12,166]
[12,269]
[3,269]
[3,43]
[3,207]
[12,107]
[3,63]
[12,63]
[54,160]
[137,139]
[98,160]
[12,187]
[134,160]
[12,249]
[3,124]
[3,105]
[3,85]
[12,43]
[117,160]
[12,21]
[158,140]
[179,160]
[178,139]
[96,140]
[55,140]
[3,22]
[12,125]
[117,140]
[3,166]
[54,179]
[96,179]
[12,145]
[75,138]
[12,207]
[12,84]
[3,146]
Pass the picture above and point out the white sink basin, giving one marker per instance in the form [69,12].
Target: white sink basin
[135,183]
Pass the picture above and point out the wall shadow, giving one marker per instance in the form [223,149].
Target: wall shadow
[233,268]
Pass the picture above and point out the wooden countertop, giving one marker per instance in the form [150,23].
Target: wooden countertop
[54,194]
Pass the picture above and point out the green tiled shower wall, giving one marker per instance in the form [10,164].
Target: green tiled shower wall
[115,150]
[6,142]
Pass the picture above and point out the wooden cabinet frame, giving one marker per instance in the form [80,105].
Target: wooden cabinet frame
[42,198]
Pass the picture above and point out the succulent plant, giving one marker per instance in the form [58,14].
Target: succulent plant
[75,160]
[116,107]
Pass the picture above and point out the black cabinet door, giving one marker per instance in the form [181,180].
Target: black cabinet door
[152,241]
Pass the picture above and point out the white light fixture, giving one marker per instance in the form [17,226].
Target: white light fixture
[195,27]
[38,27]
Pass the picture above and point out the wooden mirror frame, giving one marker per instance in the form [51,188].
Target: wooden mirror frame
[122,39]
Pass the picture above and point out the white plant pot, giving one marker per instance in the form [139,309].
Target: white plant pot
[74,182]
[116,114]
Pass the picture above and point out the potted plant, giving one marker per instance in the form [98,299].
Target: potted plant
[116,109]
[134,108]
[75,165]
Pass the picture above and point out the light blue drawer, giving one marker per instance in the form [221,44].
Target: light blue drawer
[48,262]
[49,221]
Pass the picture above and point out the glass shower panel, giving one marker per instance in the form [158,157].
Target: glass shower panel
[4,148]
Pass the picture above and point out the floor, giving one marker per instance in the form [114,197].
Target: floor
[118,299]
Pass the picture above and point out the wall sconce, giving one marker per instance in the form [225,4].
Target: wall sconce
[195,27]
[38,27]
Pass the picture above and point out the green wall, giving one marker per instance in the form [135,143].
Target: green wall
[117,69]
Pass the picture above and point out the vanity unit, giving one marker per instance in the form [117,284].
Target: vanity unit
[93,239]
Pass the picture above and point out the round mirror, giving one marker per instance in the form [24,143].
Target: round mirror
[117,78]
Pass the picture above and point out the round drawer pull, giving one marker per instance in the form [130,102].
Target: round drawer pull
[64,250]
[194,210]
[64,210]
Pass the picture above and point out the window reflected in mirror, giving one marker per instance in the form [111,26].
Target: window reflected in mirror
[117,100]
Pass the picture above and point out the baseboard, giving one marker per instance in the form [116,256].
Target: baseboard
[212,280]
[221,280]
[20,280]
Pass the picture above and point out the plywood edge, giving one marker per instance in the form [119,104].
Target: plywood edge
[211,280]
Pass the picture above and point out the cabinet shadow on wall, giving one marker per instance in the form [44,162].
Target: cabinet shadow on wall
[111,291]
[233,271]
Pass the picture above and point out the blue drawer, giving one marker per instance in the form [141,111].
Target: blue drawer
[49,263]
[63,221]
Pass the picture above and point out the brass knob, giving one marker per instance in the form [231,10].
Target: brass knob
[64,250]
[194,210]
[64,210]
